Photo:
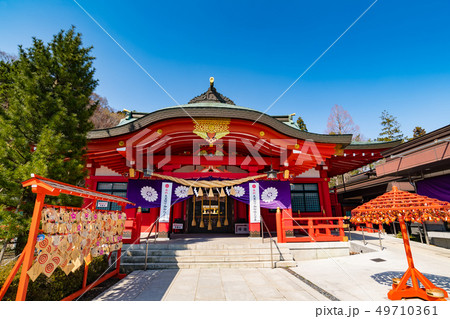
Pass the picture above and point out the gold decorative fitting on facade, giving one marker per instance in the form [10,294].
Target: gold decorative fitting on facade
[262,133]
[297,146]
[121,143]
[338,150]
[211,130]
[159,131]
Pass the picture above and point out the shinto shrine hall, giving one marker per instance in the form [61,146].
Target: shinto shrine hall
[211,166]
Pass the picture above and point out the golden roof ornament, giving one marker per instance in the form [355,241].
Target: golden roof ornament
[211,95]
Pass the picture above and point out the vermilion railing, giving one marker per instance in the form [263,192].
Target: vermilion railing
[314,229]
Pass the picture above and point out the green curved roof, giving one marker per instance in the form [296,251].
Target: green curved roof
[218,110]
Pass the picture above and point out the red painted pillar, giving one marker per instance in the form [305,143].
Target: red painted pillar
[146,222]
[280,237]
[89,183]
[137,231]
[177,210]
[325,192]
[286,214]
[241,210]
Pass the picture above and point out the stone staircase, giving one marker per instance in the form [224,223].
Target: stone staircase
[204,255]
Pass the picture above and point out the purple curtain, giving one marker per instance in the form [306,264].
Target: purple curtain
[436,187]
[273,194]
[147,193]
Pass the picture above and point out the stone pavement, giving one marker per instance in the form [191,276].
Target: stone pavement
[218,284]
[368,276]
[365,277]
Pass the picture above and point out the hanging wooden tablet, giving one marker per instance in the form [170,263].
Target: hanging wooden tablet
[35,271]
[76,264]
[49,268]
[68,268]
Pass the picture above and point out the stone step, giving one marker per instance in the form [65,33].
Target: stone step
[195,259]
[162,255]
[203,252]
[129,267]
[215,246]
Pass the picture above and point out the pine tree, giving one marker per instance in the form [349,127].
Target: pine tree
[390,130]
[6,66]
[43,129]
[301,124]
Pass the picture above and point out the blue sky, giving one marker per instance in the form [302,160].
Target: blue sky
[396,57]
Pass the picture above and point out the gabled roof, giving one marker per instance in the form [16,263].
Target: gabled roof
[217,110]
[55,188]
[211,95]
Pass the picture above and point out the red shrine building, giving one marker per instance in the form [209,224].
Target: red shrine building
[211,139]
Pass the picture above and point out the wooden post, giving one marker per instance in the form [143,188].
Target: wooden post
[311,233]
[406,242]
[137,230]
[11,276]
[341,229]
[29,249]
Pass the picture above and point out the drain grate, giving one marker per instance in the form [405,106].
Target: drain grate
[378,260]
[312,285]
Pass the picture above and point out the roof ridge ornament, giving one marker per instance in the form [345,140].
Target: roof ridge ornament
[211,95]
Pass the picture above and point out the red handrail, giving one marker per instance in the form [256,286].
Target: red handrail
[317,228]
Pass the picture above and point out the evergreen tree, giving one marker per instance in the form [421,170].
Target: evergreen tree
[301,124]
[43,128]
[6,66]
[390,130]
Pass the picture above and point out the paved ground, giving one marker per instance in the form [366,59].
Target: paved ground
[218,284]
[356,277]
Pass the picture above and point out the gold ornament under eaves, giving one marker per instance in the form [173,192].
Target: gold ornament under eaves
[211,130]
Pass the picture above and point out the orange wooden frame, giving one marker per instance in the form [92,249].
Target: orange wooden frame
[405,206]
[402,290]
[43,187]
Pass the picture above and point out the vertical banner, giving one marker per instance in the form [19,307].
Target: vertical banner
[166,201]
[255,211]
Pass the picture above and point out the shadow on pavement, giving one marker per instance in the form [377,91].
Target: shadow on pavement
[385,278]
[141,286]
